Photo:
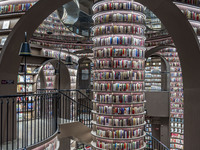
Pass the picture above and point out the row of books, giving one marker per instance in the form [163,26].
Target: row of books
[156,43]
[170,54]
[119,75]
[107,98]
[63,55]
[12,8]
[192,2]
[176,79]
[153,80]
[21,78]
[166,50]
[177,135]
[21,88]
[119,52]
[120,133]
[49,72]
[118,40]
[176,110]
[28,99]
[50,78]
[176,74]
[53,26]
[176,89]
[119,121]
[120,110]
[175,146]
[149,75]
[175,69]
[175,125]
[121,145]
[118,6]
[175,105]
[21,107]
[177,100]
[176,94]
[153,88]
[119,17]
[176,115]
[176,141]
[152,84]
[55,36]
[48,67]
[118,29]
[178,120]
[191,14]
[59,45]
[131,87]
[50,84]
[120,64]
[128,86]
[177,130]
[156,34]
[52,19]
[175,64]
[174,59]
[55,32]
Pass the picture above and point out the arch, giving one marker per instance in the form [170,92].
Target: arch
[29,23]
[166,68]
[187,45]
[64,74]
[82,84]
[178,27]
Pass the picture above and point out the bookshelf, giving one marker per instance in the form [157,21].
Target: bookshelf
[118,75]
[10,12]
[30,89]
[73,77]
[148,139]
[153,74]
[194,2]
[176,99]
[50,76]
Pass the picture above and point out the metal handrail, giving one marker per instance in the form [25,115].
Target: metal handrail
[164,147]
[74,100]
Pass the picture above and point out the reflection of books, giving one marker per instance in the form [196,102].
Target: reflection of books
[6,25]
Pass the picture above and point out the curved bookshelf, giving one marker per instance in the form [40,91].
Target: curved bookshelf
[118,70]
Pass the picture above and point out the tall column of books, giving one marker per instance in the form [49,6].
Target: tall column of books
[176,99]
[118,105]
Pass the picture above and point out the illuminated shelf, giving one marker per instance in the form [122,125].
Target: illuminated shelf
[95,123]
[94,134]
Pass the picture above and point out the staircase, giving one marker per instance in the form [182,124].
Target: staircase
[65,114]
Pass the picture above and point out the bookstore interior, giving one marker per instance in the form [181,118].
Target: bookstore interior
[99,75]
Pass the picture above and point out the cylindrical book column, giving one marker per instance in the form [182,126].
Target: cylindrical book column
[118,105]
